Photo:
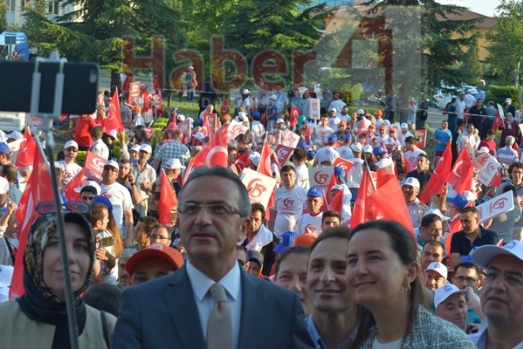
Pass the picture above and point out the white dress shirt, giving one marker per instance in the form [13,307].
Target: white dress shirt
[201,284]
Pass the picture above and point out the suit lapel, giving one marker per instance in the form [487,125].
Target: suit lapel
[181,303]
[251,329]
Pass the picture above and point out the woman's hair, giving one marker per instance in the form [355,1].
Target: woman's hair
[403,244]
[112,228]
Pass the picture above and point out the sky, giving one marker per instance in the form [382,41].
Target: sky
[485,7]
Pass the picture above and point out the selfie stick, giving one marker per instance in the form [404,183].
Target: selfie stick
[46,126]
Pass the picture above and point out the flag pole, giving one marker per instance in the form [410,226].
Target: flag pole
[46,127]
[368,172]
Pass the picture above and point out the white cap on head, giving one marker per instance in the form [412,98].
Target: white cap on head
[173,164]
[136,147]
[357,147]
[445,292]
[438,268]
[280,120]
[404,125]
[245,92]
[333,109]
[199,136]
[360,112]
[484,254]
[367,148]
[413,182]
[254,157]
[14,135]
[437,212]
[470,195]
[113,164]
[180,117]
[146,148]
[71,144]
[273,97]
[483,150]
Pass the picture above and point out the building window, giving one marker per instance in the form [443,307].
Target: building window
[11,5]
[54,7]
[25,3]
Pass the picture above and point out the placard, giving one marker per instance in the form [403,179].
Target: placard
[496,206]
[488,171]
[315,108]
[259,186]
[320,177]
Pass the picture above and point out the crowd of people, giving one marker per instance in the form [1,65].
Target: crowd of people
[224,271]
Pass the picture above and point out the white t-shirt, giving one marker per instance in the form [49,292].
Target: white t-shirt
[355,174]
[411,159]
[100,148]
[290,204]
[322,133]
[387,164]
[333,123]
[120,198]
[309,224]
[302,176]
[70,170]
[326,153]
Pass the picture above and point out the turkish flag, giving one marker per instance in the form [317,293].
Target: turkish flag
[94,166]
[265,116]
[205,126]
[167,201]
[214,153]
[264,167]
[293,116]
[38,190]
[26,152]
[362,212]
[242,161]
[454,227]
[462,173]
[345,165]
[439,176]
[114,119]
[387,202]
[337,203]
[307,132]
[225,107]
[72,189]
[331,184]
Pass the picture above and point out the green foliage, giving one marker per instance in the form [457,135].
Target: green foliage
[473,65]
[506,42]
[3,19]
[498,93]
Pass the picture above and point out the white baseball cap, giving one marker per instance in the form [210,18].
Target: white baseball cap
[367,148]
[245,92]
[199,136]
[113,164]
[484,254]
[437,212]
[70,144]
[438,268]
[279,120]
[360,112]
[146,148]
[180,117]
[483,150]
[136,147]
[333,109]
[90,184]
[404,125]
[445,292]
[413,182]
[173,164]
[357,147]
[273,97]
[14,135]
[254,158]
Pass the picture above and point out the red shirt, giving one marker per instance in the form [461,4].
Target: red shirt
[82,134]
[491,145]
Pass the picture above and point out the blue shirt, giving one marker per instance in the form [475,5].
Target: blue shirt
[444,136]
[315,336]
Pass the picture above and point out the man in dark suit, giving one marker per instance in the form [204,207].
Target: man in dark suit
[174,311]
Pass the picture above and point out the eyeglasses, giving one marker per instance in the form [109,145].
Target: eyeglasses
[72,206]
[513,279]
[469,280]
[159,237]
[72,149]
[192,208]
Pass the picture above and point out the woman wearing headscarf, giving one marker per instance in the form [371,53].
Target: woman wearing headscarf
[38,319]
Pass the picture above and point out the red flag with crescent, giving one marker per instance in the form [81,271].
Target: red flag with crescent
[462,173]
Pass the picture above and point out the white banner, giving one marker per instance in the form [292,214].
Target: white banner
[488,170]
[496,206]
[320,177]
[315,108]
[259,186]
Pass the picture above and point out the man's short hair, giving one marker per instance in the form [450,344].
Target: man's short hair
[427,220]
[160,226]
[89,189]
[149,223]
[424,156]
[258,207]
[434,243]
[124,161]
[490,132]
[410,140]
[467,265]
[298,250]
[514,165]
[299,154]
[288,168]
[244,205]
[469,209]
[331,233]
[10,173]
[330,214]
[97,132]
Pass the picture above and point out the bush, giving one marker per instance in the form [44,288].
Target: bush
[498,93]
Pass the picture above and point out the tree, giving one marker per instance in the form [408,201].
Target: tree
[95,31]
[3,19]
[506,43]
[473,65]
